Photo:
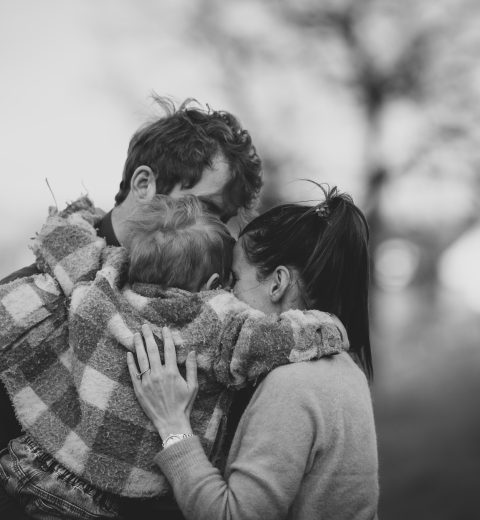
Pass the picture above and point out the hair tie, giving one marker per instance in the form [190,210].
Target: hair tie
[322,210]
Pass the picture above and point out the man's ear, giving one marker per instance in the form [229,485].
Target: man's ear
[212,283]
[143,184]
[280,281]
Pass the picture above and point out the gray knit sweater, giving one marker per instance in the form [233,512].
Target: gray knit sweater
[305,449]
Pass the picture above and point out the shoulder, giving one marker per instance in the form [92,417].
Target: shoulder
[339,369]
[323,382]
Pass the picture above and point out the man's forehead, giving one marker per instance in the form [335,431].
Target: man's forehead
[213,181]
[215,177]
[211,188]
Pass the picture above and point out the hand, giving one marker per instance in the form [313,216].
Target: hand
[164,395]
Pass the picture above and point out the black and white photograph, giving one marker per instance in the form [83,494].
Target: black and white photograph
[240,259]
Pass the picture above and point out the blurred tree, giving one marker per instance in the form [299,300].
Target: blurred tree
[410,67]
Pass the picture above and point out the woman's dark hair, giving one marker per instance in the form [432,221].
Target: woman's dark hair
[328,245]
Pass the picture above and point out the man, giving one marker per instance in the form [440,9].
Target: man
[190,150]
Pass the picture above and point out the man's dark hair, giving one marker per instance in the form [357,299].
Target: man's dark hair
[180,145]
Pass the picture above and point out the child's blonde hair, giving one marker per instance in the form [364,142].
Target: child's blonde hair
[178,243]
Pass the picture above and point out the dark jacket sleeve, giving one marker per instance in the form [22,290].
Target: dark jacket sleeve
[21,273]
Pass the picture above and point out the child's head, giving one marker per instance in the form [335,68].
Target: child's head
[325,249]
[178,243]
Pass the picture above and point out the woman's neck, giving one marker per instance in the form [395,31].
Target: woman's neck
[293,298]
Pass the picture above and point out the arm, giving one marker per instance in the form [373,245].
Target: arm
[32,303]
[253,343]
[267,464]
[31,310]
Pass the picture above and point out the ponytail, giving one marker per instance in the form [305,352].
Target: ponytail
[328,245]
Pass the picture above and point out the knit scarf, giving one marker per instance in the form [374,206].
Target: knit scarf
[64,336]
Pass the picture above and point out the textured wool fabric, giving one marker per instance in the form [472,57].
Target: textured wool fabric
[70,384]
[305,448]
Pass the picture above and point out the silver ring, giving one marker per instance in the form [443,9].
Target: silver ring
[139,376]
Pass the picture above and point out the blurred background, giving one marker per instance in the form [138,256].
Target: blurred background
[379,97]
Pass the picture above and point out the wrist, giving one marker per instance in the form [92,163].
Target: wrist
[173,427]
[174,438]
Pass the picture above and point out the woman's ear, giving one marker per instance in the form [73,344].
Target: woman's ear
[279,284]
[143,184]
[212,283]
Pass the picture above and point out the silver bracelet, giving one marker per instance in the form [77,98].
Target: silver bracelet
[175,437]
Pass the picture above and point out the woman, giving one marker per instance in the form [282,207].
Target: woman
[305,446]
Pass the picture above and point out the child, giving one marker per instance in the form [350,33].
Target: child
[68,378]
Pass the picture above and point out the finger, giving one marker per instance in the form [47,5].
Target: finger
[132,368]
[191,364]
[152,348]
[142,357]
[169,350]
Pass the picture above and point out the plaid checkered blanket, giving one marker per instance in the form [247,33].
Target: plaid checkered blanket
[66,371]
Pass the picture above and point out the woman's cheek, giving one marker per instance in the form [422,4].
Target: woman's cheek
[240,293]
[236,291]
